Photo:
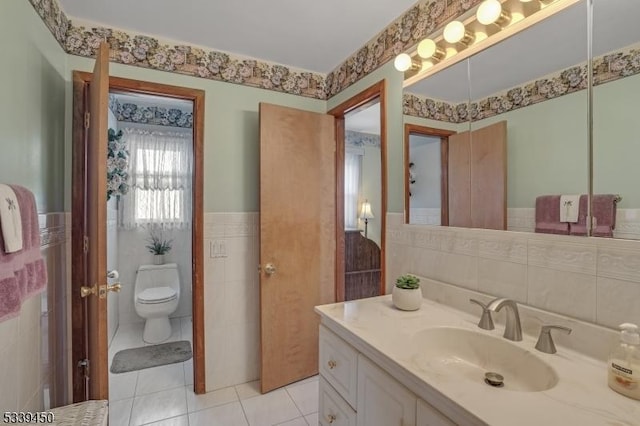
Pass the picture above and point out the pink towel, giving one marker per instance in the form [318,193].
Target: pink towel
[22,273]
[604,211]
[548,216]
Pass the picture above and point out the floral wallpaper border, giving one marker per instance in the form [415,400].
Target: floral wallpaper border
[607,68]
[403,33]
[353,138]
[155,115]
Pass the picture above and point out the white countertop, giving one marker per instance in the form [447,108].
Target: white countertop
[383,333]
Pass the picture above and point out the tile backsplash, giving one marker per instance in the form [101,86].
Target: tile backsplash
[591,279]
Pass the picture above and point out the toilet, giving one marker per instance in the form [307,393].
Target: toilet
[156,296]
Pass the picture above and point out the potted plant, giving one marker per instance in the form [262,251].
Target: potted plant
[407,295]
[158,245]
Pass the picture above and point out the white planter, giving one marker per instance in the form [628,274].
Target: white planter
[407,299]
[158,259]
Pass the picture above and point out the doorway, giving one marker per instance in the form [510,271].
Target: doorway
[360,259]
[193,267]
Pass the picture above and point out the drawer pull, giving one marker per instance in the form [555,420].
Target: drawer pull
[331,418]
[332,364]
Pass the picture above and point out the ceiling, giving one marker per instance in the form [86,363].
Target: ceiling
[364,121]
[315,36]
[557,43]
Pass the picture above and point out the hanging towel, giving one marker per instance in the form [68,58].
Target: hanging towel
[10,221]
[548,216]
[604,215]
[569,208]
[22,273]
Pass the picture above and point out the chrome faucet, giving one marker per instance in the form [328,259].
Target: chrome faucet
[486,322]
[545,342]
[512,328]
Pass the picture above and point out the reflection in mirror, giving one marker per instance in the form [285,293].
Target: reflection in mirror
[363,202]
[432,126]
[616,127]
[528,125]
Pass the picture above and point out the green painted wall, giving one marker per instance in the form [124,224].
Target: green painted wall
[231,143]
[395,153]
[32,115]
[616,140]
[546,149]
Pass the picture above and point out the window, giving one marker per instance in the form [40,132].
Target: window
[352,165]
[160,169]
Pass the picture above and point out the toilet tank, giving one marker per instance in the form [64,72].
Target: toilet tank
[158,276]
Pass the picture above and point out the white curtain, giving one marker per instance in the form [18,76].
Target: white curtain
[352,162]
[160,170]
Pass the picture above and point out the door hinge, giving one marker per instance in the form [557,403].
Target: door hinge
[85,244]
[87,118]
[84,364]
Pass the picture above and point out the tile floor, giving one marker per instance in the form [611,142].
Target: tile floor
[164,395]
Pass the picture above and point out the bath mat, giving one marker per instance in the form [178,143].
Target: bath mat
[151,356]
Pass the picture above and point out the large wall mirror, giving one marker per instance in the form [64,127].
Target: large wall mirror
[519,110]
[616,112]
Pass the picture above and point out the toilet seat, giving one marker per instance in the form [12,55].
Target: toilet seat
[154,295]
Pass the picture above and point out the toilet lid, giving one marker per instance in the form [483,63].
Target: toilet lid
[157,295]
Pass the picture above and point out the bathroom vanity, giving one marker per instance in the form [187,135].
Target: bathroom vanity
[382,366]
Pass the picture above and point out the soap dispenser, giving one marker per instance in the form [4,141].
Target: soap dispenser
[624,363]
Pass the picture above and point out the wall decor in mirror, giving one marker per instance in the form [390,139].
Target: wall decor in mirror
[525,117]
[616,116]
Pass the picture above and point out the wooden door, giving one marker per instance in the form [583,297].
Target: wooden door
[297,238]
[489,177]
[89,218]
[459,180]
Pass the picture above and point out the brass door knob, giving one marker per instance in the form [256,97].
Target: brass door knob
[115,287]
[331,418]
[270,268]
[332,364]
[86,291]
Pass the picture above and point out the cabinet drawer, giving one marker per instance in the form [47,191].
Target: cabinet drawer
[338,365]
[332,409]
[427,415]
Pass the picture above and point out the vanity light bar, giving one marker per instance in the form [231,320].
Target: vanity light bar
[471,35]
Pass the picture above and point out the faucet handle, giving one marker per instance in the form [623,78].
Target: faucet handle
[545,341]
[486,322]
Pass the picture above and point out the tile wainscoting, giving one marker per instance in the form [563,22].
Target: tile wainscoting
[591,279]
[232,299]
[33,371]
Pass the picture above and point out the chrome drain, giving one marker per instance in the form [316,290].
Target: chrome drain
[494,379]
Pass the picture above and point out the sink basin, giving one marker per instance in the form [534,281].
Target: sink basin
[467,354]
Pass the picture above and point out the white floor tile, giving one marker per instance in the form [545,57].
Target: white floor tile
[300,421]
[122,385]
[223,415]
[305,396]
[270,409]
[312,419]
[210,399]
[248,390]
[156,379]
[119,412]
[188,372]
[158,406]
[305,381]
[174,421]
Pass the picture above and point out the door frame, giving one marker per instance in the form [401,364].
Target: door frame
[359,101]
[78,208]
[414,129]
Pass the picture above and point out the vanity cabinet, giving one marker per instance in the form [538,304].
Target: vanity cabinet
[355,391]
[382,401]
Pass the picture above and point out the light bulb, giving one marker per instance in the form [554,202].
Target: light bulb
[426,48]
[489,12]
[402,62]
[454,31]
